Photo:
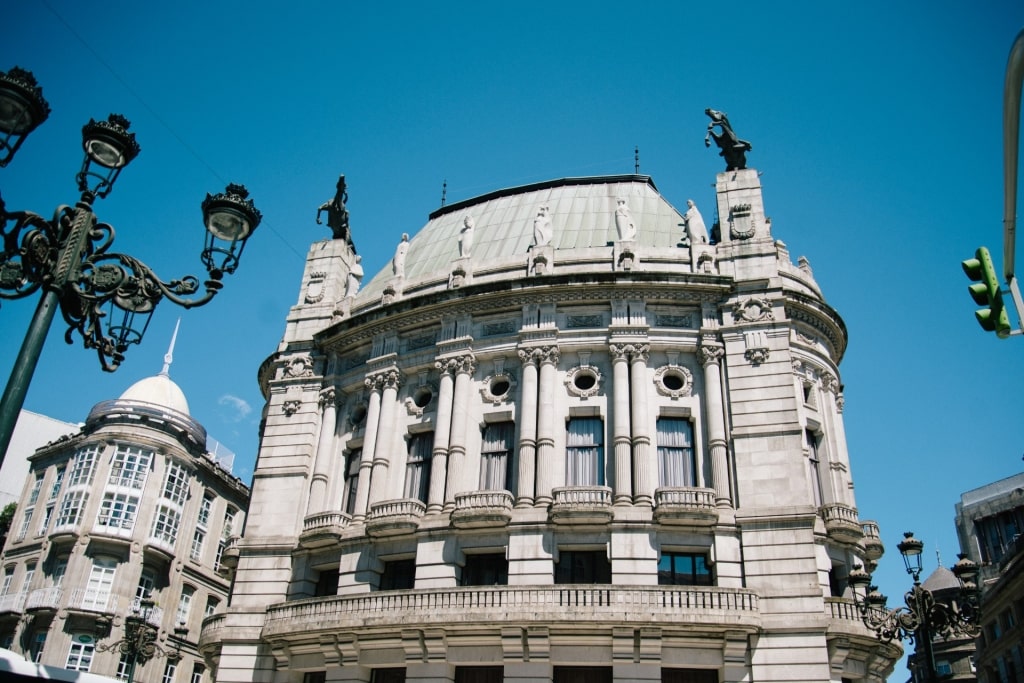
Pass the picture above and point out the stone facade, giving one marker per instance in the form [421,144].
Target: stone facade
[562,457]
[130,507]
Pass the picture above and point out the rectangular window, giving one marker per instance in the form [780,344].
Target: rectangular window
[212,604]
[417,468]
[175,483]
[690,676]
[326,582]
[205,507]
[84,466]
[352,479]
[118,511]
[198,537]
[184,605]
[169,668]
[398,575]
[684,569]
[129,467]
[677,465]
[36,649]
[165,526]
[59,568]
[8,577]
[197,673]
[584,460]
[387,676]
[71,508]
[26,521]
[582,674]
[485,570]
[58,479]
[813,464]
[147,582]
[80,654]
[479,674]
[44,521]
[123,667]
[30,573]
[583,566]
[101,581]
[496,456]
[221,545]
[314,677]
[36,486]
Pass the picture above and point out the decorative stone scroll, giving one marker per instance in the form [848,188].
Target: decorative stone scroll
[752,310]
[297,367]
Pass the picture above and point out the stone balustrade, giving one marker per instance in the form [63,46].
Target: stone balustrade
[44,598]
[12,602]
[685,505]
[482,509]
[394,517]
[91,600]
[842,523]
[323,528]
[496,606]
[581,505]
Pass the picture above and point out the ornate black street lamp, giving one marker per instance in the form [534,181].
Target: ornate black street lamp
[107,297]
[139,643]
[923,617]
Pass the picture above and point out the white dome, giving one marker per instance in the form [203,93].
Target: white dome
[159,390]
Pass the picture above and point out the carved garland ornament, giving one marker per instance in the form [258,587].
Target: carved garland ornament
[498,388]
[583,381]
[299,366]
[673,381]
[753,310]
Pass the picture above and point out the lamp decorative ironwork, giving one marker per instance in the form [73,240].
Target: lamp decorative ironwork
[922,617]
[140,641]
[107,297]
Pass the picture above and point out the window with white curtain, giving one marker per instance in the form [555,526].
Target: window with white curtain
[677,465]
[351,479]
[496,456]
[584,461]
[813,462]
[417,468]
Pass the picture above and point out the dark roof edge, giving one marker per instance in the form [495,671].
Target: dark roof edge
[543,185]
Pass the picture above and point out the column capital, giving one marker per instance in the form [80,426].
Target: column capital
[385,379]
[329,396]
[539,355]
[711,353]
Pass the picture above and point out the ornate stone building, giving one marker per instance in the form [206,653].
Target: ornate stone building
[128,509]
[561,437]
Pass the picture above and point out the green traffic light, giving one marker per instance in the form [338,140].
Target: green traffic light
[992,318]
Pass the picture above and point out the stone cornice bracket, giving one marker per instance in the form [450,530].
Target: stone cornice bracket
[757,350]
[752,310]
[339,649]
[711,353]
[282,654]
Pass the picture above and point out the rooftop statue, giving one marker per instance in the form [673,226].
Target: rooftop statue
[733,150]
[337,214]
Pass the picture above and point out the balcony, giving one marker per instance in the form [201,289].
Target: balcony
[161,546]
[44,599]
[154,617]
[229,556]
[476,509]
[685,506]
[582,505]
[483,610]
[12,603]
[841,523]
[873,546]
[91,600]
[321,529]
[394,517]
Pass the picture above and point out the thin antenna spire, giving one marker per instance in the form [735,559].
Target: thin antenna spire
[938,556]
[636,160]
[169,356]
[444,191]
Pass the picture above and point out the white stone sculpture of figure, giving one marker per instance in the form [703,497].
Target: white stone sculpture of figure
[542,228]
[355,277]
[398,262]
[466,238]
[624,222]
[695,227]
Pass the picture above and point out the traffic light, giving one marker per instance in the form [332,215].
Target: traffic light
[992,318]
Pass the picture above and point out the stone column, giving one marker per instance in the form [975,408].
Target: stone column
[390,380]
[464,368]
[527,429]
[324,453]
[546,425]
[374,384]
[711,354]
[644,465]
[439,454]
[621,441]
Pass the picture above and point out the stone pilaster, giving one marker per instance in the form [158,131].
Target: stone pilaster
[621,441]
[390,381]
[325,453]
[527,429]
[369,446]
[711,354]
[464,368]
[442,435]
[644,465]
[546,425]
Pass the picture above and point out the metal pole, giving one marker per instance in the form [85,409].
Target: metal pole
[24,367]
[1011,133]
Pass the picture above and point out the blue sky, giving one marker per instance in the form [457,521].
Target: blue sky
[876,126]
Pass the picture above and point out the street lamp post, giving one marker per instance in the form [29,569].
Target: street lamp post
[139,643]
[922,618]
[107,297]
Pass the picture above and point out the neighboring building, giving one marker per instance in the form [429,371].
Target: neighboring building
[953,657]
[555,441]
[990,525]
[31,431]
[131,507]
